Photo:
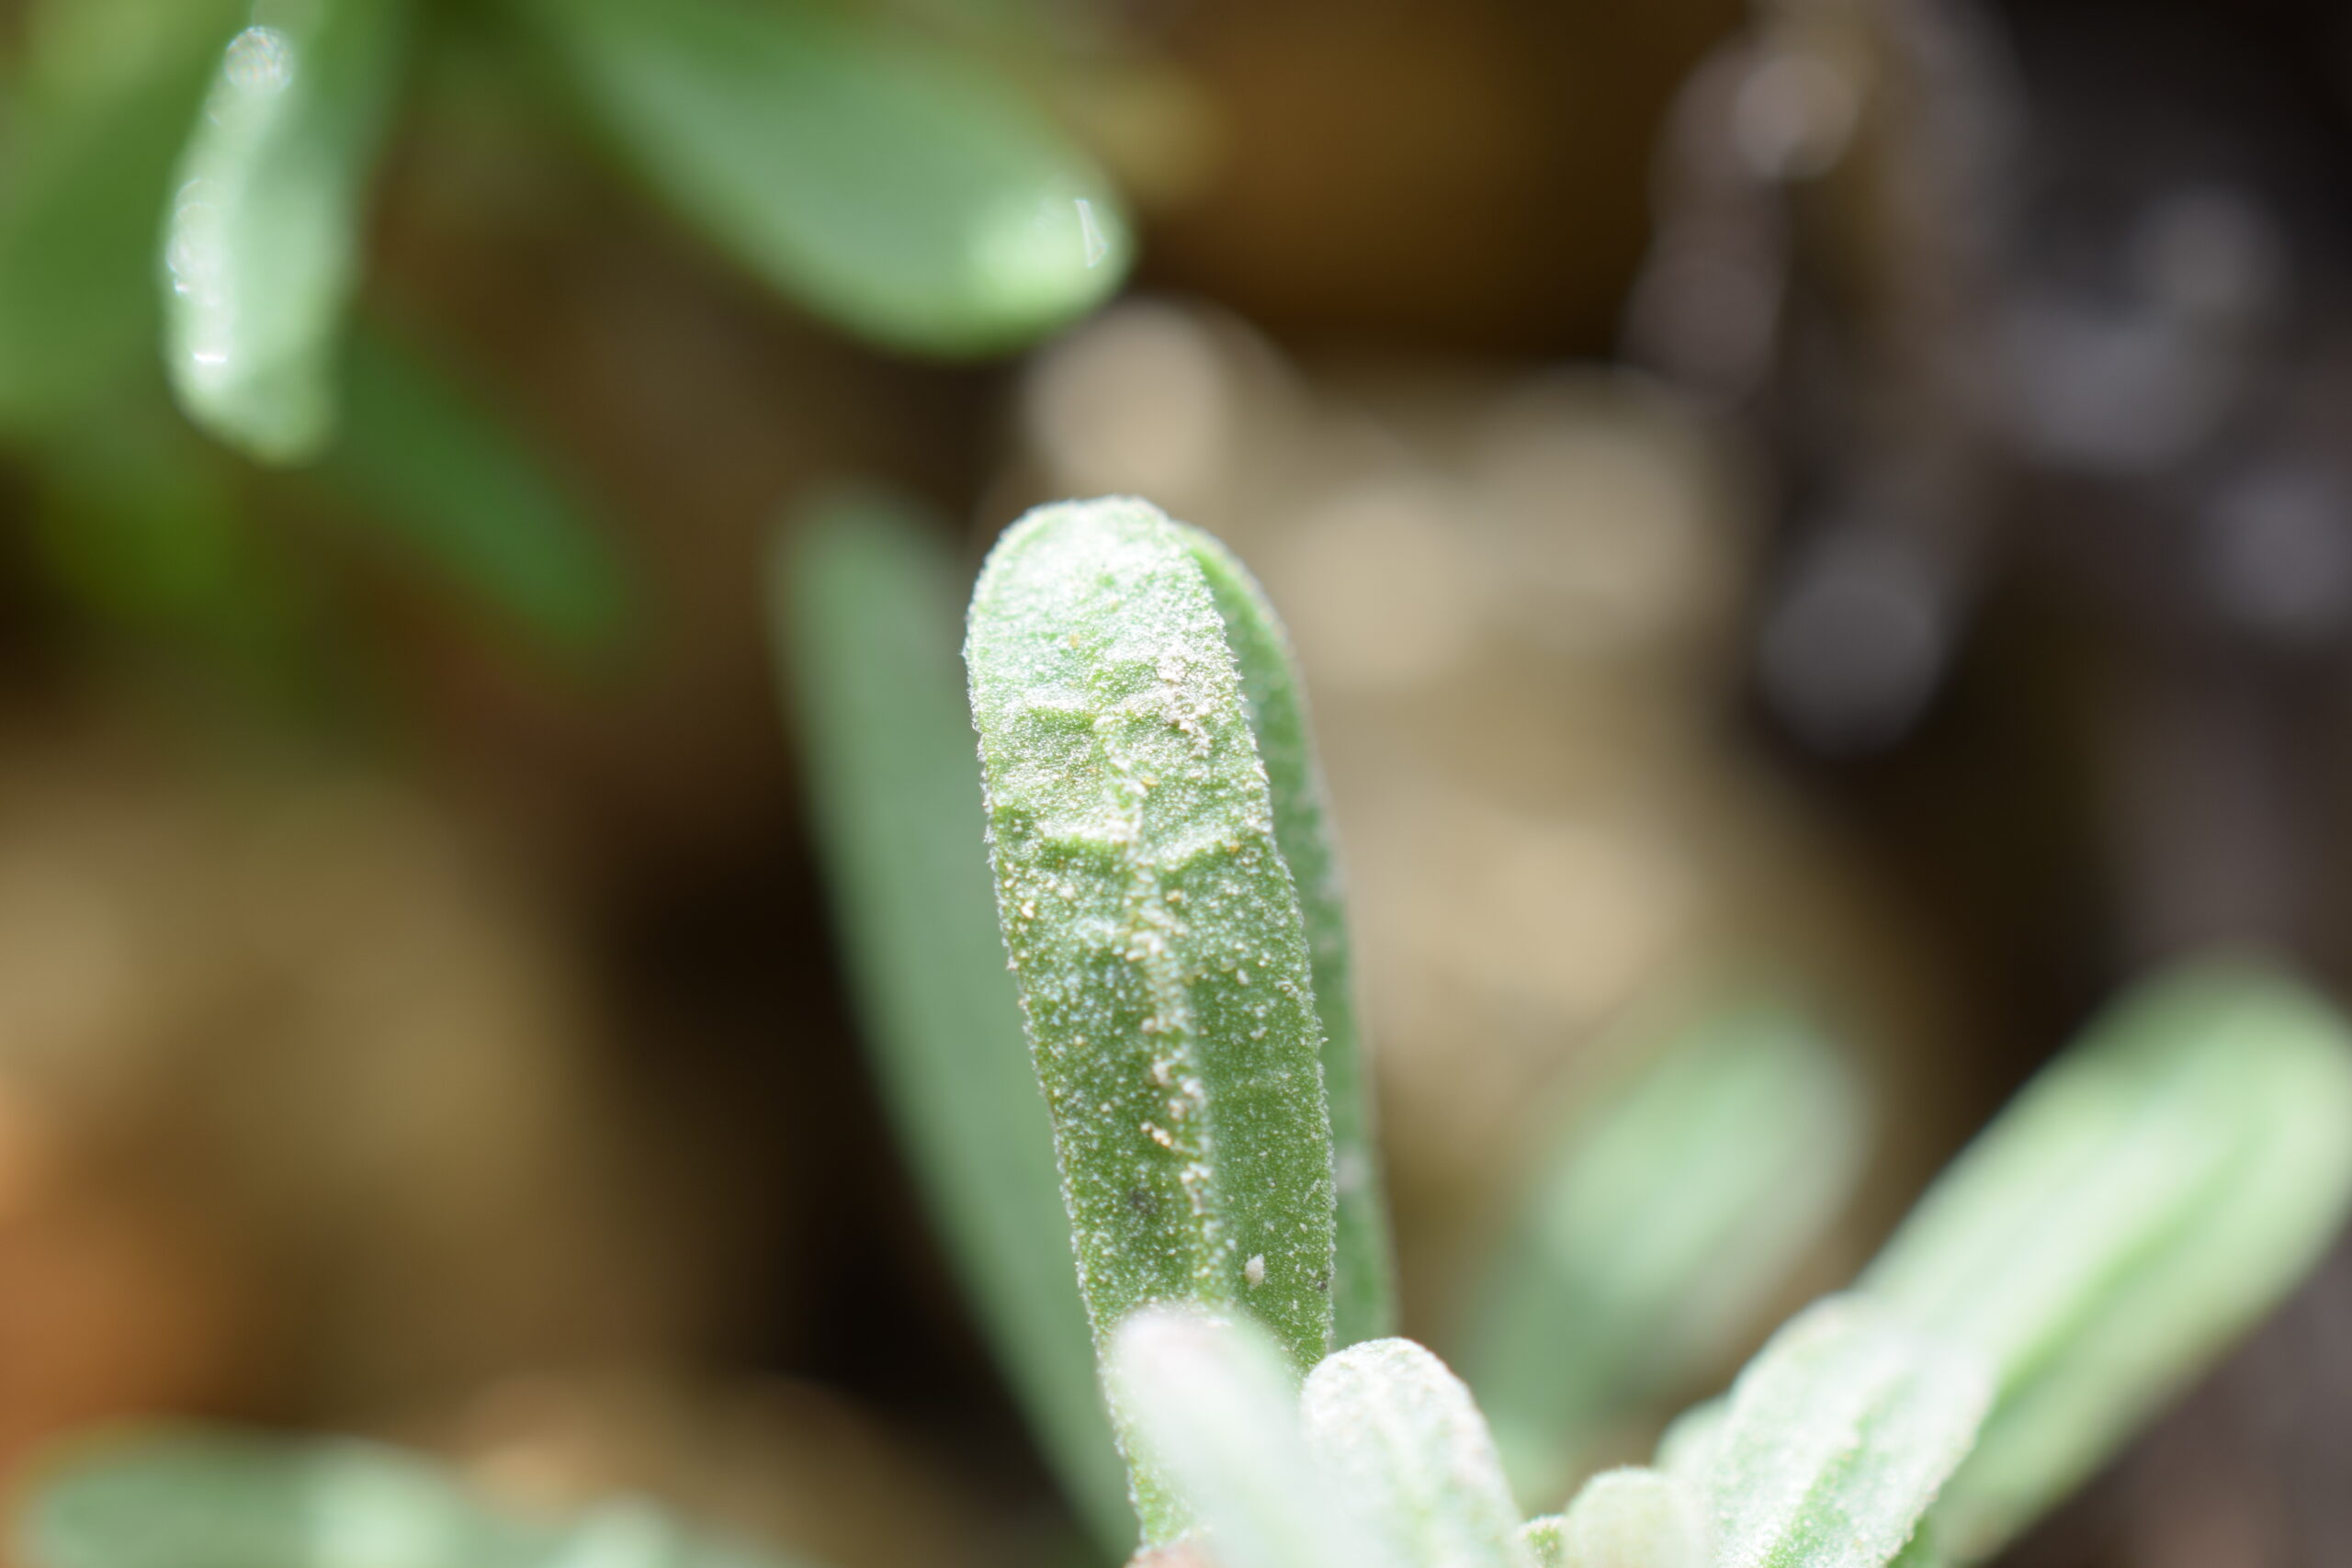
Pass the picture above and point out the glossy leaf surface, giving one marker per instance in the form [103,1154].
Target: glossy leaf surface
[901,191]
[262,240]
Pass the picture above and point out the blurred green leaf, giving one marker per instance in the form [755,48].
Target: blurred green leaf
[1664,1216]
[262,231]
[1410,1456]
[1623,1518]
[1364,1301]
[141,526]
[1838,1437]
[900,191]
[211,1498]
[97,118]
[1214,1404]
[2143,1201]
[866,602]
[448,480]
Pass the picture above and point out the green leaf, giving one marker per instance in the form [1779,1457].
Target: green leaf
[1410,1455]
[198,1498]
[140,524]
[865,600]
[1626,1518]
[1838,1435]
[262,231]
[1664,1215]
[1213,1403]
[442,476]
[1155,932]
[101,108]
[894,188]
[1364,1284]
[2149,1196]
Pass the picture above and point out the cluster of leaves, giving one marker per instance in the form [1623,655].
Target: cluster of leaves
[1150,791]
[195,175]
[1164,890]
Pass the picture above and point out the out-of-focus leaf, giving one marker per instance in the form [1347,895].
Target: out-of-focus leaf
[1838,1435]
[1410,1456]
[1213,1406]
[100,109]
[260,244]
[2156,1189]
[141,524]
[1362,1277]
[442,476]
[866,603]
[1624,1518]
[900,191]
[1155,932]
[1662,1219]
[208,1498]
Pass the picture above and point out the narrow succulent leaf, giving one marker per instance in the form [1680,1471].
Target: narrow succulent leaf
[1153,929]
[1363,1281]
[1410,1455]
[902,192]
[1633,1518]
[1838,1435]
[440,473]
[865,600]
[2147,1198]
[262,238]
[100,108]
[1662,1220]
[198,1497]
[1213,1406]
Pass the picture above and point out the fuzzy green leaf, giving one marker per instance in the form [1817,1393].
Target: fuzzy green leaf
[1363,1285]
[1155,930]
[423,459]
[2141,1203]
[1664,1216]
[1212,1404]
[899,190]
[1838,1437]
[1626,1518]
[193,1497]
[262,238]
[1410,1455]
[866,600]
